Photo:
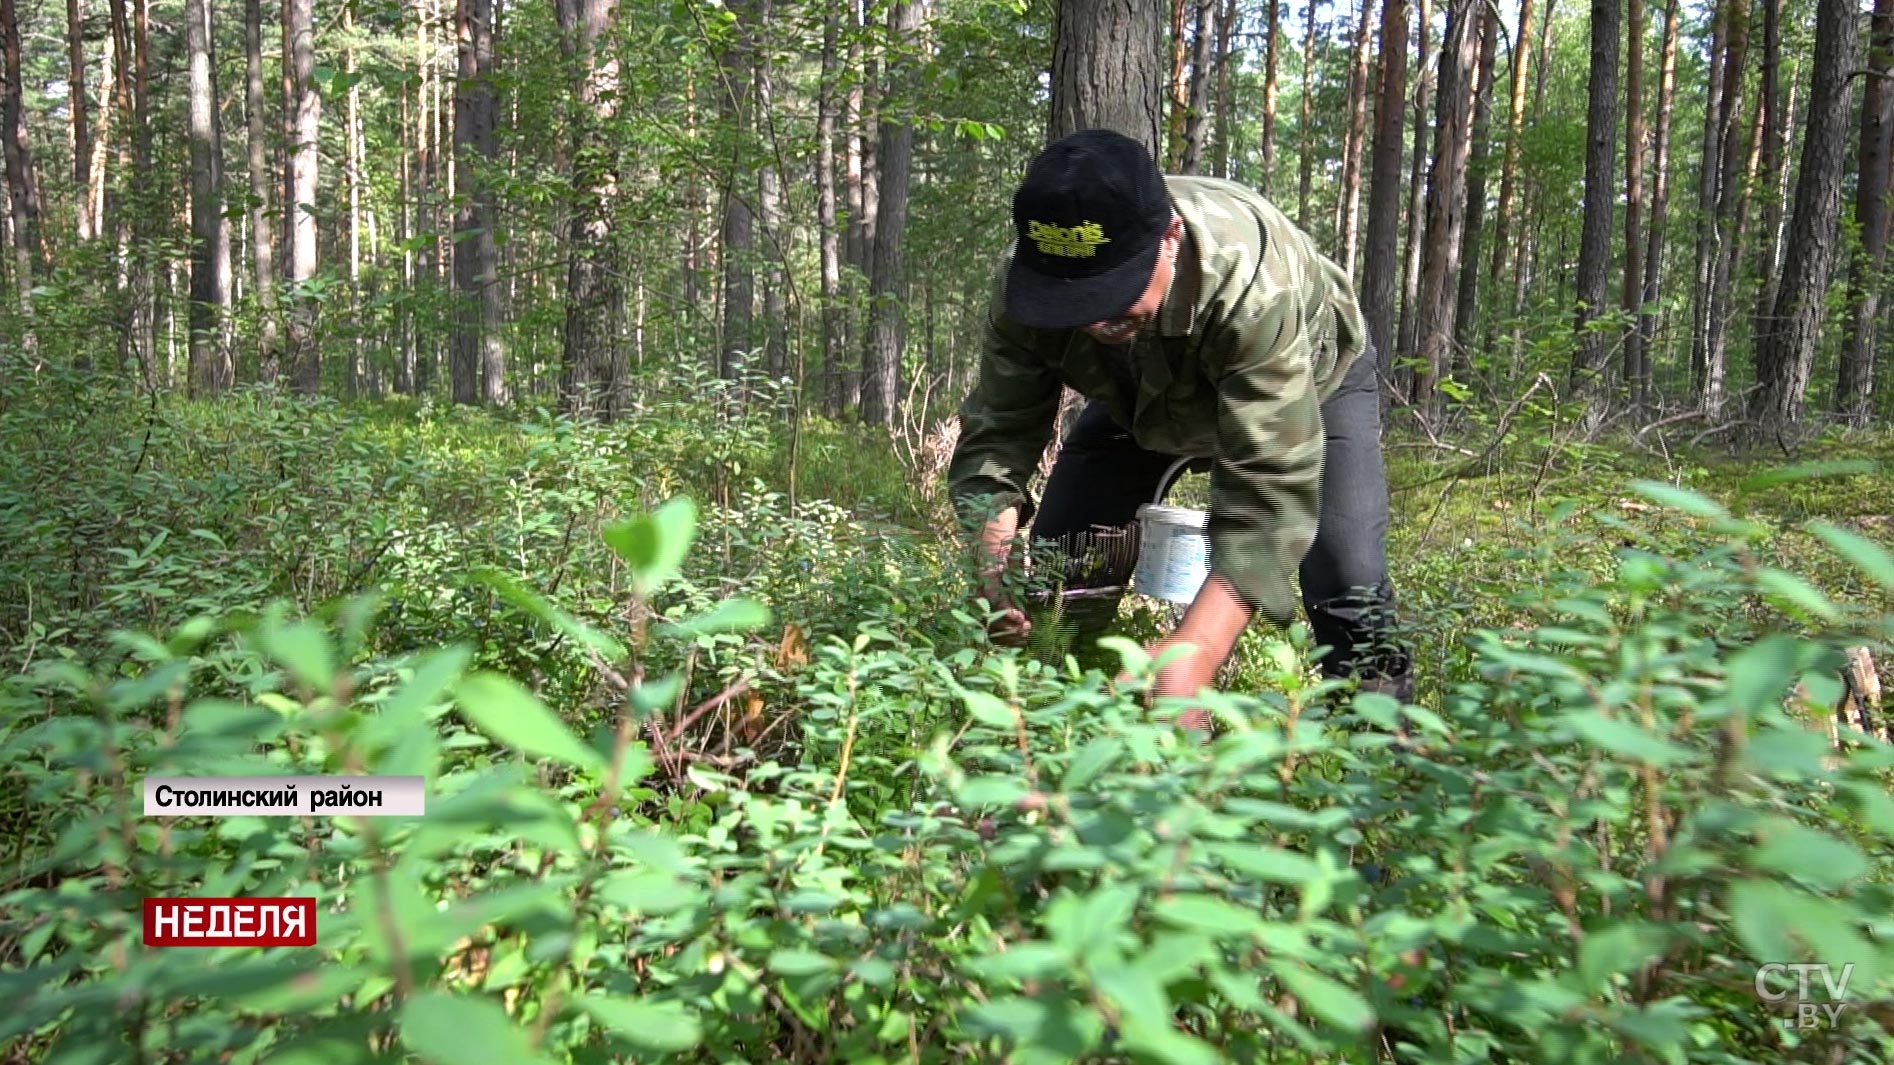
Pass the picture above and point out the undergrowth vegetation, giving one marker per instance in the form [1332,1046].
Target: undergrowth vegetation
[722,773]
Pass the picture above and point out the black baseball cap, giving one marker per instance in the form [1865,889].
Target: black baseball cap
[1088,217]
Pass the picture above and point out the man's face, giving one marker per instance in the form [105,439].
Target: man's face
[1120,330]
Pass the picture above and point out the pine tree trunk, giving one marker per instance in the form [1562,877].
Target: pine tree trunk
[1107,70]
[1479,162]
[1305,132]
[22,186]
[1272,63]
[1525,249]
[78,123]
[593,368]
[262,229]
[1774,145]
[1854,381]
[1786,354]
[834,327]
[1446,184]
[1640,383]
[739,224]
[302,120]
[1348,203]
[1226,22]
[1631,293]
[1720,175]
[1594,253]
[210,359]
[888,317]
[1195,124]
[1179,87]
[1380,269]
[1423,93]
[479,360]
[769,207]
[1509,167]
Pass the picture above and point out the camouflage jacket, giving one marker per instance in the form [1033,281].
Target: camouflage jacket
[1235,367]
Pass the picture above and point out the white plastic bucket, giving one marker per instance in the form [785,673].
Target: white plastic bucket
[1173,553]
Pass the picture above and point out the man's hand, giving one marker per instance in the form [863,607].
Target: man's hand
[995,545]
[1012,627]
[1210,630]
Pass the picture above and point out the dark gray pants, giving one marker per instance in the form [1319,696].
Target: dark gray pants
[1102,476]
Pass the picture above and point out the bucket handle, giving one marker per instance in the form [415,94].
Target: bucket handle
[1170,476]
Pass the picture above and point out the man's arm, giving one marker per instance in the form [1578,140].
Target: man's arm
[1005,424]
[1265,493]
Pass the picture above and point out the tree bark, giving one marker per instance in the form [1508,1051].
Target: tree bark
[79,124]
[1305,132]
[888,317]
[1594,253]
[1854,381]
[1631,292]
[1226,23]
[1729,49]
[1479,162]
[769,205]
[1640,383]
[593,374]
[739,223]
[1348,203]
[1446,182]
[1774,145]
[1423,93]
[834,323]
[479,361]
[211,370]
[1272,62]
[1196,126]
[22,185]
[1179,103]
[262,236]
[302,120]
[1515,125]
[1107,70]
[1380,270]
[1785,354]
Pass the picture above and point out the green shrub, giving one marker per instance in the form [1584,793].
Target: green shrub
[1583,854]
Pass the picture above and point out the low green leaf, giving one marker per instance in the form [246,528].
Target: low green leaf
[1871,558]
[1134,993]
[1758,674]
[509,714]
[1797,593]
[1207,913]
[731,615]
[537,606]
[1325,997]
[451,1029]
[1796,850]
[987,708]
[1666,495]
[302,648]
[1159,1040]
[1758,915]
[1624,739]
[664,1027]
[655,545]
[1023,961]
[1615,950]
[1271,864]
[647,891]
[1090,760]
[792,962]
